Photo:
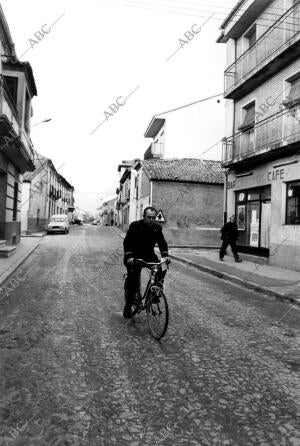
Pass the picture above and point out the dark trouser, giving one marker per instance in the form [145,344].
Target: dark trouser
[132,281]
[232,244]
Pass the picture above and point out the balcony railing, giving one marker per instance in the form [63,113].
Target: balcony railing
[9,109]
[282,34]
[279,130]
[27,143]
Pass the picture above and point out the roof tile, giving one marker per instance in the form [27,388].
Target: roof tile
[185,169]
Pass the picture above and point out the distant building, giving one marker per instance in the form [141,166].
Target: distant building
[261,148]
[17,88]
[126,200]
[188,193]
[45,193]
[108,212]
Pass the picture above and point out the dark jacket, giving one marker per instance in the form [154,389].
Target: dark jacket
[141,239]
[230,231]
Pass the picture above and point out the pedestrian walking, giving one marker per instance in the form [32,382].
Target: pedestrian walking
[229,236]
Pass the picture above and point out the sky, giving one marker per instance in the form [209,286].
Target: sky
[128,52]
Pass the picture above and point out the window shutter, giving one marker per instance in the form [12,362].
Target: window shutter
[294,95]
[249,118]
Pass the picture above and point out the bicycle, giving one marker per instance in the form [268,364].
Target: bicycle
[153,300]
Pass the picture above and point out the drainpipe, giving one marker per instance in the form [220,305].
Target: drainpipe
[150,198]
[225,188]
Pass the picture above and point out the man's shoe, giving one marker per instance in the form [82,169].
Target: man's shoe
[238,260]
[127,312]
[221,259]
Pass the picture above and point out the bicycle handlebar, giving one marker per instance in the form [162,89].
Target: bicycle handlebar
[149,264]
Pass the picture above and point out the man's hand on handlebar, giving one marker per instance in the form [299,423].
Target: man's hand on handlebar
[167,259]
[130,261]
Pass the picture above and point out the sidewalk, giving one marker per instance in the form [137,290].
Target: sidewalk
[9,265]
[270,280]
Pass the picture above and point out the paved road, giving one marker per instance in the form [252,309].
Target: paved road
[73,372]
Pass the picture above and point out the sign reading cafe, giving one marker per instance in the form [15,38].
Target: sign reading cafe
[258,179]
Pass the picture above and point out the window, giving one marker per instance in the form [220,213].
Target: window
[11,86]
[242,197]
[294,94]
[15,206]
[27,113]
[248,117]
[253,195]
[293,203]
[251,36]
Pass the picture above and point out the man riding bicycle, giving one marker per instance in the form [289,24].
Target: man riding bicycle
[139,243]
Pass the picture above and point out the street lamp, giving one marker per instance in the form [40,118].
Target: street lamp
[45,120]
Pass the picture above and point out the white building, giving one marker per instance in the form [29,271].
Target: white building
[261,148]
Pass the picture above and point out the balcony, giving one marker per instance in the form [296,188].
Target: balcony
[277,47]
[273,137]
[15,144]
[155,151]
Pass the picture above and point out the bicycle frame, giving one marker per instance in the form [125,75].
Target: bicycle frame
[152,282]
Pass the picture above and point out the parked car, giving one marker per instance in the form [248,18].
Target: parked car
[58,223]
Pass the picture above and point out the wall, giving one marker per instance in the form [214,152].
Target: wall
[274,88]
[38,201]
[12,228]
[25,205]
[265,20]
[193,212]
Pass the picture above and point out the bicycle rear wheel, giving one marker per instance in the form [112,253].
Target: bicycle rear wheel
[157,314]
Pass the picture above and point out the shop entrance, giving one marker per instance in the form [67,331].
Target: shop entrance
[253,211]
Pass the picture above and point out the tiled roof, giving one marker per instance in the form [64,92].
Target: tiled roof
[185,169]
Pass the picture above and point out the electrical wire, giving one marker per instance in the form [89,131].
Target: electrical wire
[188,105]
[230,8]
[241,11]
[210,148]
[139,6]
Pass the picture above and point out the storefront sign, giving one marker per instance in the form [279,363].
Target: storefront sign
[256,179]
[277,174]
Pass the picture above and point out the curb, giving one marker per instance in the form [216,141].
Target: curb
[16,266]
[193,247]
[247,284]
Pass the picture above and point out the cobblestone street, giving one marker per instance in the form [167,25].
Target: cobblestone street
[74,372]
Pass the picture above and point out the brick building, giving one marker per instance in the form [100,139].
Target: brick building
[261,148]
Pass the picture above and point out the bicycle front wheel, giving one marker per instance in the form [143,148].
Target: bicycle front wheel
[157,313]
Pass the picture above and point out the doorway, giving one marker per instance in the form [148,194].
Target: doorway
[253,211]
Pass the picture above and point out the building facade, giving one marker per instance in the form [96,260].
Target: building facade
[108,212]
[126,194]
[188,195]
[45,193]
[17,88]
[261,148]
